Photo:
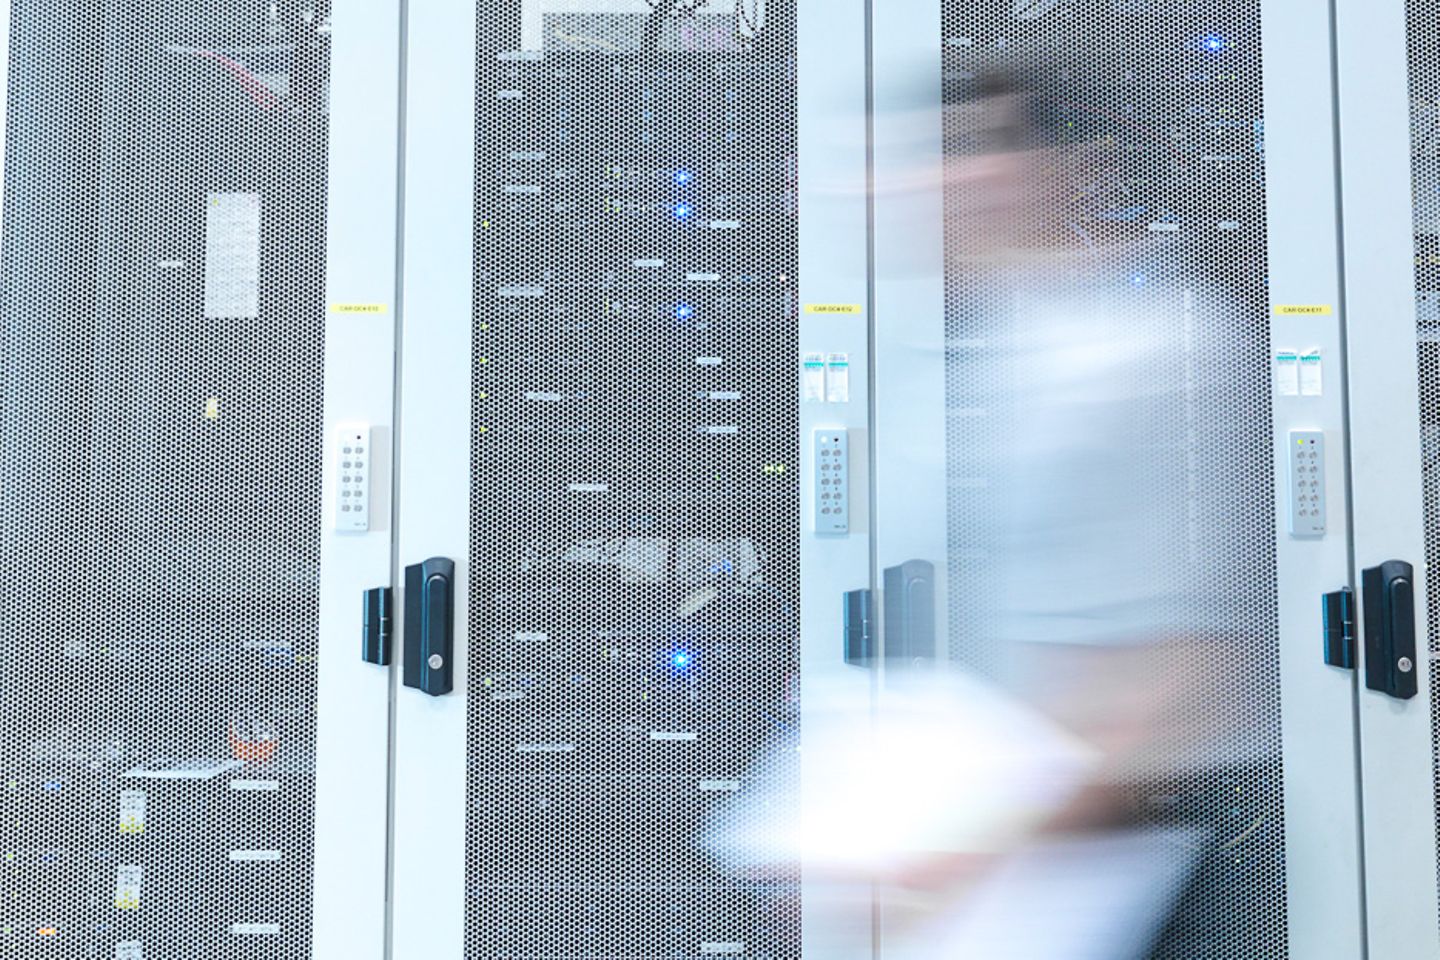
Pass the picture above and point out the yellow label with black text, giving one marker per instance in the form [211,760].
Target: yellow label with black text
[843,308]
[357,308]
[1303,310]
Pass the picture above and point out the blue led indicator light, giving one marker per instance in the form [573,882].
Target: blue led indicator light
[681,659]
[684,311]
[682,211]
[1213,42]
[683,176]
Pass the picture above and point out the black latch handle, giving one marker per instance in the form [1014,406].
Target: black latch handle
[430,626]
[1390,657]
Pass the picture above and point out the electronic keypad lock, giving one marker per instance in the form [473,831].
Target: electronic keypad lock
[430,626]
[1389,609]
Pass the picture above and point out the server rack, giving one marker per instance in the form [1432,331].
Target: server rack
[168,186]
[605,292]
[1208,141]
[1386,90]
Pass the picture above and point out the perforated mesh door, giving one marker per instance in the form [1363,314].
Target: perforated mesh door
[1145,335]
[160,416]
[1424,68]
[634,647]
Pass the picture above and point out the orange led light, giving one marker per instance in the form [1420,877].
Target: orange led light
[47,931]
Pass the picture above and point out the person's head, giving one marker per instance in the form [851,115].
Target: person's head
[1026,167]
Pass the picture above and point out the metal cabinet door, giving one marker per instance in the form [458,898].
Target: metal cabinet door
[1083,452]
[195,759]
[1387,83]
[614,216]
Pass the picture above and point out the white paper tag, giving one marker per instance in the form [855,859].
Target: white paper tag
[255,929]
[709,361]
[130,950]
[255,785]
[232,255]
[837,378]
[721,786]
[1287,373]
[132,811]
[254,856]
[127,887]
[812,378]
[531,636]
[1311,384]
[672,735]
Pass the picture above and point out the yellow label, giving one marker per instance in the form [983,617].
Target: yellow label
[212,408]
[357,308]
[833,308]
[1303,310]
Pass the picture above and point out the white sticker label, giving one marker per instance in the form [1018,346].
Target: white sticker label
[721,429]
[132,811]
[724,395]
[724,786]
[544,397]
[510,94]
[508,695]
[527,155]
[837,378]
[522,188]
[531,636]
[812,373]
[254,856]
[589,488]
[724,224]
[709,361]
[544,748]
[255,929]
[260,785]
[653,264]
[703,277]
[232,255]
[731,948]
[130,950]
[1287,373]
[127,887]
[672,735]
[1311,378]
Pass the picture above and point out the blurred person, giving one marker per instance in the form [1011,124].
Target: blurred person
[1005,811]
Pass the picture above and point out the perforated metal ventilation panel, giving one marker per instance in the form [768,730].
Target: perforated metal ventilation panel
[1145,331]
[160,415]
[1424,68]
[634,540]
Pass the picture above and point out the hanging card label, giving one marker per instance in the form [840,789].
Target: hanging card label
[127,887]
[1287,373]
[1311,380]
[232,255]
[132,811]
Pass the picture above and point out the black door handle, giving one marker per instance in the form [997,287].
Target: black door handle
[430,626]
[1389,604]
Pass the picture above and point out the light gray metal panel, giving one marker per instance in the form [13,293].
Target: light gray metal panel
[1387,91]
[353,697]
[428,882]
[834,273]
[161,416]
